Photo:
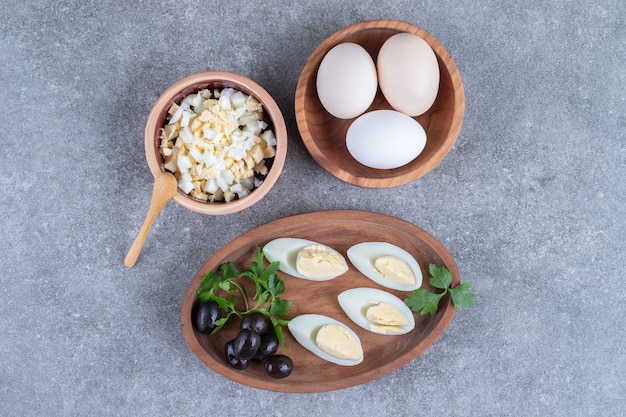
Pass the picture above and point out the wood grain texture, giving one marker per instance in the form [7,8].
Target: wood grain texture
[165,186]
[339,229]
[324,135]
[216,80]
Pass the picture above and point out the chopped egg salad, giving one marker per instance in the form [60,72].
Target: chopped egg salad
[217,144]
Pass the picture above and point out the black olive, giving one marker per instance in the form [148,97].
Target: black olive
[206,315]
[246,344]
[233,360]
[269,346]
[279,366]
[256,322]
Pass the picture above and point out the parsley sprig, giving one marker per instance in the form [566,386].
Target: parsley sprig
[224,288]
[427,302]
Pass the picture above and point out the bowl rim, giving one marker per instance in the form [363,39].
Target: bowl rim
[399,176]
[183,87]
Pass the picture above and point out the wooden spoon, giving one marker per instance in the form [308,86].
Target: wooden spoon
[165,186]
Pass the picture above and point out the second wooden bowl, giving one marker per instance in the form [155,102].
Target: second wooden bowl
[216,80]
[324,135]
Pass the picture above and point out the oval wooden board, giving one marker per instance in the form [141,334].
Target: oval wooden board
[339,229]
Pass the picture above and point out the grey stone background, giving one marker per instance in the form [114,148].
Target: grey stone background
[530,202]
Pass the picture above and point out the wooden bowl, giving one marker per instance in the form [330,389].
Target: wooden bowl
[339,229]
[217,80]
[324,135]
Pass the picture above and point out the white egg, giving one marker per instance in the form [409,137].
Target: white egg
[377,311]
[408,73]
[346,80]
[385,139]
[305,328]
[324,262]
[402,270]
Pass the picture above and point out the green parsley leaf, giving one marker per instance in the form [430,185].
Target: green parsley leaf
[271,270]
[461,297]
[226,286]
[224,289]
[229,270]
[204,297]
[426,302]
[441,276]
[223,303]
[219,323]
[280,307]
[256,269]
[262,297]
[276,286]
[209,281]
[423,301]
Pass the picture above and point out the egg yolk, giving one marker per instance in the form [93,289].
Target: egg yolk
[317,261]
[385,318]
[338,342]
[394,269]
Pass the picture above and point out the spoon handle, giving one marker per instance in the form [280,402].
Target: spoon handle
[164,189]
[135,249]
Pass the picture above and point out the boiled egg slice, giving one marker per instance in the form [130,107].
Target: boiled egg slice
[306,259]
[377,311]
[387,265]
[327,338]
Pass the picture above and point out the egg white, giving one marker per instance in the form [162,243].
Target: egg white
[285,250]
[304,329]
[363,255]
[354,303]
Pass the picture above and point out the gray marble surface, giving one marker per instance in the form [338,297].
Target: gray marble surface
[530,202]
